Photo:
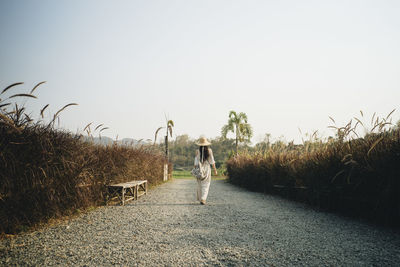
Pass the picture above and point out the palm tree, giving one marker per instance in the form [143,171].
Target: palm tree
[170,124]
[237,124]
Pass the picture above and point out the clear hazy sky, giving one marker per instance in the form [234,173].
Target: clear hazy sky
[286,64]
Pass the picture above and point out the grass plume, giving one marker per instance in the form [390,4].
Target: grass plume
[46,172]
[351,174]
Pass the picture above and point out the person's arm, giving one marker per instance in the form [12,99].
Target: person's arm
[213,161]
[215,169]
[196,159]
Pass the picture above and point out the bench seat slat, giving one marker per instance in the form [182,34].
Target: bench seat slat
[128,184]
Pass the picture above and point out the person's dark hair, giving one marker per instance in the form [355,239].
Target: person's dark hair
[204,149]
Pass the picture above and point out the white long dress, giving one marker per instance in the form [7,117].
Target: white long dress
[204,185]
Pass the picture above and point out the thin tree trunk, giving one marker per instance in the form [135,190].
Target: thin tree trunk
[237,141]
[166,146]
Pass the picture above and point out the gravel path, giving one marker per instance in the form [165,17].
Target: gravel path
[235,228]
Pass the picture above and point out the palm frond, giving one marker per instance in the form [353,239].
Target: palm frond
[155,136]
[226,129]
[170,130]
[232,114]
[243,116]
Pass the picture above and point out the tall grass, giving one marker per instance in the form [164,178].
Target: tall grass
[47,172]
[351,174]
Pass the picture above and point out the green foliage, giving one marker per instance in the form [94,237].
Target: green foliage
[237,124]
[181,174]
[183,149]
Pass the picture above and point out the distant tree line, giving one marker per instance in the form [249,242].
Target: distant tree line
[182,151]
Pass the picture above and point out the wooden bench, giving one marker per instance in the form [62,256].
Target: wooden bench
[126,191]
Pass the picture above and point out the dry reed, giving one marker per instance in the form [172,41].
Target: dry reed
[353,175]
[46,172]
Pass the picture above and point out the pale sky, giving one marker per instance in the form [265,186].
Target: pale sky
[286,64]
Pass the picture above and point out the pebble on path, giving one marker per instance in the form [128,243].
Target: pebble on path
[236,228]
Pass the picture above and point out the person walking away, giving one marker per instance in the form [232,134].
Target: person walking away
[204,156]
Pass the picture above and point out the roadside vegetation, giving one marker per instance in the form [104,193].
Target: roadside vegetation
[349,173]
[238,124]
[48,173]
[355,172]
[186,174]
[182,149]
[182,152]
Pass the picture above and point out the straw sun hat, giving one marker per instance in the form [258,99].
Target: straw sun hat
[203,141]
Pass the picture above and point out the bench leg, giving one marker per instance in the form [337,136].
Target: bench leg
[106,199]
[136,192]
[123,196]
[145,188]
[131,192]
[111,193]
